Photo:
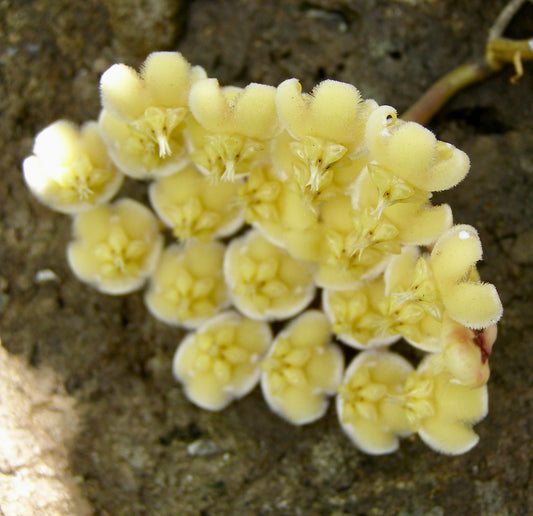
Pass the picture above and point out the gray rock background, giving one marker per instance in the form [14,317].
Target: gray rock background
[142,448]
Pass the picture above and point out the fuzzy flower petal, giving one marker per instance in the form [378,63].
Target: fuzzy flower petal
[467,300]
[333,111]
[412,152]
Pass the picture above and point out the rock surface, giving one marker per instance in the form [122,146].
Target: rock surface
[133,453]
[38,425]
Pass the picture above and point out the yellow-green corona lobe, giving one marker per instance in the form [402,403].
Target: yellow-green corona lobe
[329,197]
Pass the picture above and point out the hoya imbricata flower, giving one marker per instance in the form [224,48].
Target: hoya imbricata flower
[188,287]
[266,195]
[302,368]
[233,128]
[366,401]
[115,247]
[220,361]
[265,281]
[144,114]
[441,410]
[70,170]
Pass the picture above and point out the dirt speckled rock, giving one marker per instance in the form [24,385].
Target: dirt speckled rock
[38,426]
[133,454]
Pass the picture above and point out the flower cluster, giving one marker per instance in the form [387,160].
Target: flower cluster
[330,198]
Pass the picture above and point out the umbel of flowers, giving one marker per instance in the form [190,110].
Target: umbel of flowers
[329,197]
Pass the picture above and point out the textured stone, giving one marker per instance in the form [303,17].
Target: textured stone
[51,55]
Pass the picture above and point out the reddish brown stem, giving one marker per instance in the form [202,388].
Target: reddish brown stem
[445,88]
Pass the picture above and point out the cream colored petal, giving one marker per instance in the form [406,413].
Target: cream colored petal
[184,358]
[326,369]
[159,307]
[475,305]
[448,437]
[91,142]
[123,92]
[388,368]
[400,270]
[167,76]
[291,107]
[310,329]
[206,391]
[368,436]
[254,336]
[244,379]
[412,152]
[298,406]
[420,224]
[136,219]
[455,252]
[174,190]
[405,148]
[451,167]
[116,134]
[302,244]
[57,143]
[463,404]
[205,258]
[34,177]
[336,214]
[210,107]
[82,261]
[394,418]
[93,226]
[425,335]
[255,112]
[333,111]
